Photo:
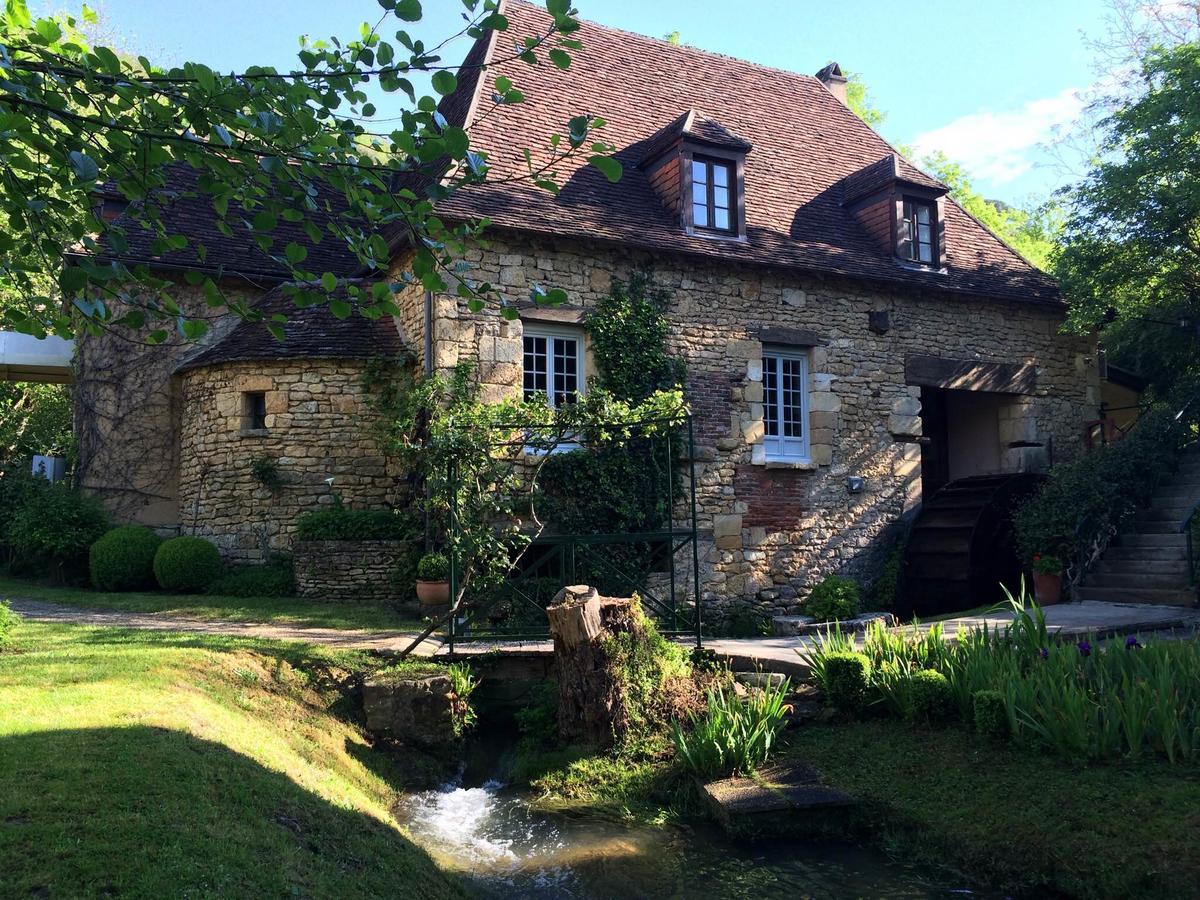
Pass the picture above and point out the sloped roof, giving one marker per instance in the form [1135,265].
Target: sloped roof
[186,210]
[805,143]
[311,332]
[695,126]
[883,172]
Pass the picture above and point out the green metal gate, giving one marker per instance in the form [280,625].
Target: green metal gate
[649,564]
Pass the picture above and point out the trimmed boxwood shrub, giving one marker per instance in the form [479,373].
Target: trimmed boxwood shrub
[123,559]
[991,713]
[834,598]
[930,695]
[187,565]
[340,523]
[276,579]
[847,676]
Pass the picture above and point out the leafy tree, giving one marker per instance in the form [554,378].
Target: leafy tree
[1131,245]
[263,147]
[34,418]
[1030,233]
[858,98]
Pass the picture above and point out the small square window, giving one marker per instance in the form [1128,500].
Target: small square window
[254,411]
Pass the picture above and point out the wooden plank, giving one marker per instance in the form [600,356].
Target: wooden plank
[970,375]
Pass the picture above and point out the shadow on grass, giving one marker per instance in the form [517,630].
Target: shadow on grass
[149,812]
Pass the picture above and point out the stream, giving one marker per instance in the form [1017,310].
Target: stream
[488,832]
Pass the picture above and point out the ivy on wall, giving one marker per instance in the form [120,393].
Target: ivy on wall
[622,489]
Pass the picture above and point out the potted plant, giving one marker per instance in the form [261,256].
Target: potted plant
[433,579]
[1047,579]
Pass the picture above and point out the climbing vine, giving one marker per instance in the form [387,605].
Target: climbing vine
[625,489]
[482,462]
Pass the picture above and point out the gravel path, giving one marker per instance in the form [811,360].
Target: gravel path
[345,639]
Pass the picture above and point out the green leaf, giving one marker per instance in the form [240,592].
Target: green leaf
[72,280]
[329,282]
[611,168]
[444,82]
[408,10]
[295,253]
[265,221]
[84,166]
[193,329]
[560,58]
[340,309]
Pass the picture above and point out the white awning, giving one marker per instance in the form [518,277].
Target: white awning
[26,358]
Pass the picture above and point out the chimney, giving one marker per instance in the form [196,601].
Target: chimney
[835,82]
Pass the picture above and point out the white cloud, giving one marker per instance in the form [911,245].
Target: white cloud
[999,146]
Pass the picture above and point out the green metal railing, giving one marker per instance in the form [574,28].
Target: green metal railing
[625,564]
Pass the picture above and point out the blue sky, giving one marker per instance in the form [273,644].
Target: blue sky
[984,81]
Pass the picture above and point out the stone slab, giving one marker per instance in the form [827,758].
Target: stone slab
[803,626]
[766,801]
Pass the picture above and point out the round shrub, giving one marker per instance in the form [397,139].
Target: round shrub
[847,676]
[834,598]
[991,713]
[187,565]
[123,559]
[930,695]
[433,567]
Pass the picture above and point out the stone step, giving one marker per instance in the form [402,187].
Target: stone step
[1174,514]
[1150,526]
[1169,581]
[1133,565]
[1159,597]
[1164,539]
[1146,553]
[1185,499]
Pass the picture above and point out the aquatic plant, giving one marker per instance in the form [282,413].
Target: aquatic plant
[1085,699]
[734,735]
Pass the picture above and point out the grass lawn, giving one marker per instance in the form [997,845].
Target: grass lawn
[149,764]
[1023,822]
[275,610]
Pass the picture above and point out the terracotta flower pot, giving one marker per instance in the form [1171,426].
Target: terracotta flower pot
[433,593]
[1047,589]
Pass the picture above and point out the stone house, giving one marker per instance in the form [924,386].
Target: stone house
[853,338]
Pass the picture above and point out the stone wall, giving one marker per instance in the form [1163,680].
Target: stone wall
[127,414]
[349,570]
[319,426]
[771,531]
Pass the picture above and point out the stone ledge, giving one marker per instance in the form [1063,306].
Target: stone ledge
[801,626]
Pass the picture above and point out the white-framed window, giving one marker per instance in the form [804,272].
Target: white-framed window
[553,363]
[785,405]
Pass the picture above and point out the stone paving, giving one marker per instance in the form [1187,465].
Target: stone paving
[768,654]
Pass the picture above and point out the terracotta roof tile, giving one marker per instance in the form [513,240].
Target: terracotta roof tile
[883,172]
[187,211]
[311,332]
[805,143]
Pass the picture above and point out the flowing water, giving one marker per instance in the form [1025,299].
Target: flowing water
[506,849]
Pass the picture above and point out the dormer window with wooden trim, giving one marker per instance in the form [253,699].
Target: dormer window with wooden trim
[901,208]
[714,187]
[915,236]
[696,166]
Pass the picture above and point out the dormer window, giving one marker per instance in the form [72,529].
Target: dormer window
[915,235]
[901,208]
[713,183]
[696,166]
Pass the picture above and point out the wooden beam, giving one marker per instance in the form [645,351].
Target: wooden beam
[970,375]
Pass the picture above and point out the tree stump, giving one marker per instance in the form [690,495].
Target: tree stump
[590,705]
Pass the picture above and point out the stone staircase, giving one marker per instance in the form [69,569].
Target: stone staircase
[1148,563]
